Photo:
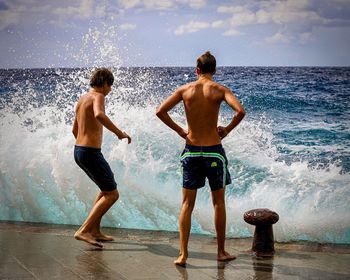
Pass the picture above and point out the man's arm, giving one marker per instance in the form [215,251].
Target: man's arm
[233,102]
[165,107]
[99,113]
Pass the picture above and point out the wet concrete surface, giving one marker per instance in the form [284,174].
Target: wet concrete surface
[42,251]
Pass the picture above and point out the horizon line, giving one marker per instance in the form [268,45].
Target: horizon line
[220,66]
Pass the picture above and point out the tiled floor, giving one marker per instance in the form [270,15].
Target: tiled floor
[37,251]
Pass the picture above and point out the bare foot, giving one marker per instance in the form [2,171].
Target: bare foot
[225,257]
[101,237]
[181,260]
[87,237]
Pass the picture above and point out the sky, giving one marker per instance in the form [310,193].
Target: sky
[85,33]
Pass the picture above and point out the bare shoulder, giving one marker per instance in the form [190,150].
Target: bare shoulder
[93,97]
[87,99]
[185,87]
[84,97]
[221,88]
[182,91]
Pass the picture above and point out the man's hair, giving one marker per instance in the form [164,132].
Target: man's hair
[101,76]
[206,63]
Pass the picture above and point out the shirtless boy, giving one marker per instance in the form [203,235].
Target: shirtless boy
[203,155]
[88,126]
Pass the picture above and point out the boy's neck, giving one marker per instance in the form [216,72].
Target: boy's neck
[100,90]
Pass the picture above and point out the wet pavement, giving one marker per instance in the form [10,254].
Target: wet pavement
[41,251]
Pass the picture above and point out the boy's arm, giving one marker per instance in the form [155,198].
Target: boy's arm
[233,102]
[165,107]
[75,127]
[99,113]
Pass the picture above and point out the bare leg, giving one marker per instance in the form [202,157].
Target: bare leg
[220,224]
[96,231]
[188,200]
[85,232]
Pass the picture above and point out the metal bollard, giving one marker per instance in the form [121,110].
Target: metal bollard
[263,242]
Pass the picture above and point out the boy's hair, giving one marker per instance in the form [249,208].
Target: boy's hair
[101,76]
[206,63]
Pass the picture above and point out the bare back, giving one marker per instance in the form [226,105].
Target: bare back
[89,128]
[202,101]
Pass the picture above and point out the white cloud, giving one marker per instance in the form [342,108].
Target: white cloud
[148,4]
[241,19]
[295,17]
[160,4]
[128,4]
[11,13]
[62,23]
[8,18]
[100,11]
[218,24]
[277,12]
[232,32]
[194,3]
[278,38]
[127,26]
[84,11]
[231,9]
[262,17]
[192,26]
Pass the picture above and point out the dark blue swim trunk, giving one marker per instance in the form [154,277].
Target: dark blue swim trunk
[95,166]
[200,162]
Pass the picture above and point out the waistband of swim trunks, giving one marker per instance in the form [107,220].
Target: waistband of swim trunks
[87,149]
[205,149]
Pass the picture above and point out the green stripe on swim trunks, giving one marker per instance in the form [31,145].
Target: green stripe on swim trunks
[204,154]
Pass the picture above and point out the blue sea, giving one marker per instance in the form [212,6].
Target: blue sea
[290,154]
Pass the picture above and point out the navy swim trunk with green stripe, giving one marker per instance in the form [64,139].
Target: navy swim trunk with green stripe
[200,162]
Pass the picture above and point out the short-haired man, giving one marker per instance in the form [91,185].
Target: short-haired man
[88,126]
[203,155]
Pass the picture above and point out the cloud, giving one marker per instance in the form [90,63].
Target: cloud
[59,13]
[8,18]
[160,4]
[127,26]
[232,32]
[192,26]
[294,17]
[218,24]
[10,13]
[129,4]
[84,11]
[193,3]
[278,38]
[231,9]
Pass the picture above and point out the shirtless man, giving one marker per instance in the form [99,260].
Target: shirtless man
[203,155]
[88,126]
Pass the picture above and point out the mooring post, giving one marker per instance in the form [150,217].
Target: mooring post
[263,242]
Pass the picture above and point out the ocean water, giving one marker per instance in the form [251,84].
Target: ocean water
[290,154]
